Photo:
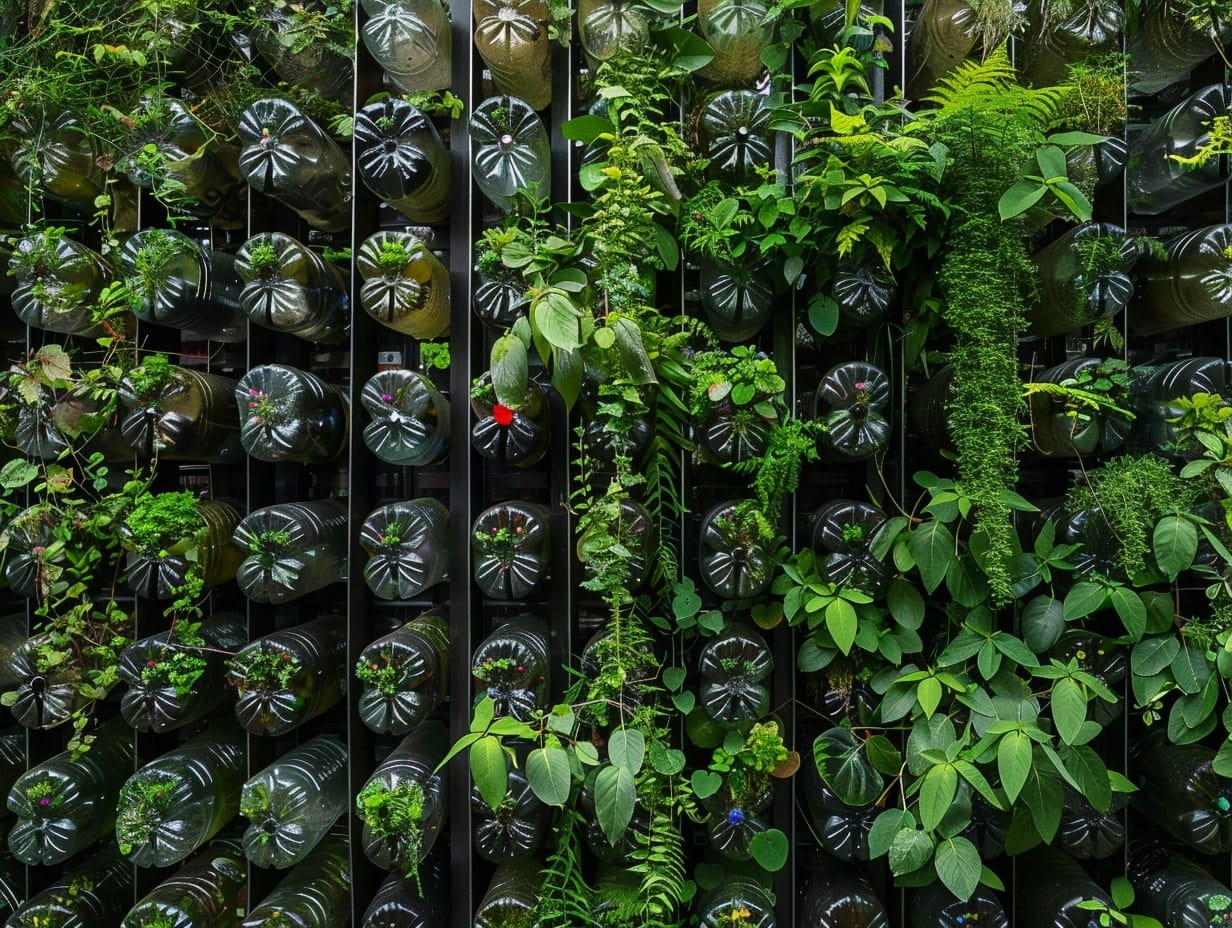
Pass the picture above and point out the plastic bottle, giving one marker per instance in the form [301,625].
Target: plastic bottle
[852,401]
[636,533]
[313,65]
[174,804]
[1056,432]
[1193,284]
[292,549]
[1058,38]
[735,562]
[65,804]
[934,906]
[1156,389]
[499,296]
[12,885]
[512,549]
[289,676]
[291,415]
[945,33]
[58,284]
[728,434]
[511,436]
[405,286]
[511,896]
[59,157]
[30,531]
[181,284]
[835,897]
[609,28]
[292,804]
[517,829]
[1183,795]
[289,157]
[12,756]
[865,294]
[1055,895]
[12,637]
[189,416]
[737,894]
[316,894]
[410,419]
[1178,892]
[95,894]
[842,829]
[155,700]
[733,667]
[398,903]
[738,31]
[510,151]
[405,674]
[412,42]
[409,768]
[207,892]
[842,532]
[290,288]
[1157,182]
[734,134]
[400,157]
[738,299]
[1167,46]
[1083,277]
[1088,834]
[408,547]
[158,571]
[512,38]
[46,696]
[512,664]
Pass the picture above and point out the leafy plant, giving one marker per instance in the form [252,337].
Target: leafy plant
[395,814]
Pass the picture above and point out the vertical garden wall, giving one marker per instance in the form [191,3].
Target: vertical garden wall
[506,464]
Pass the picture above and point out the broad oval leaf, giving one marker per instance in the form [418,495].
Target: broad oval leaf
[958,866]
[547,771]
[1175,543]
[614,798]
[489,770]
[933,547]
[842,764]
[627,748]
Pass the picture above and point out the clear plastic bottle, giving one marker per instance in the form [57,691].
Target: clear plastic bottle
[406,287]
[1057,892]
[737,894]
[291,415]
[187,416]
[1157,182]
[400,157]
[290,158]
[76,418]
[398,903]
[841,828]
[734,666]
[292,549]
[945,33]
[59,157]
[95,894]
[46,696]
[174,804]
[412,42]
[1184,795]
[155,699]
[58,283]
[289,676]
[934,906]
[292,804]
[159,570]
[316,894]
[1060,35]
[408,774]
[1167,46]
[738,299]
[207,892]
[513,437]
[1193,284]
[511,896]
[408,547]
[314,65]
[738,31]
[512,38]
[510,151]
[64,805]
[499,295]
[512,664]
[735,561]
[1083,277]
[12,637]
[410,419]
[1178,892]
[1157,388]
[734,134]
[835,897]
[405,674]
[290,288]
[852,400]
[512,549]
[613,27]
[181,284]
[517,829]
[635,531]
[842,531]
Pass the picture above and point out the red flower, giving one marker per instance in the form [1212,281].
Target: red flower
[502,414]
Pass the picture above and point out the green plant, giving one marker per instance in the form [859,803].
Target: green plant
[395,814]
[437,103]
[151,376]
[142,808]
[383,674]
[262,258]
[434,356]
[265,668]
[394,254]
[179,663]
[152,261]
[162,521]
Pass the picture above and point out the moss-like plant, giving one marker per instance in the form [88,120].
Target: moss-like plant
[165,520]
[265,668]
[383,674]
[395,814]
[152,261]
[141,809]
[151,376]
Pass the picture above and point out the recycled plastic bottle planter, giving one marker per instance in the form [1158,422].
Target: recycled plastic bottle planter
[405,675]
[160,569]
[734,667]
[609,28]
[852,400]
[190,166]
[640,664]
[1180,893]
[730,832]
[12,765]
[1184,796]
[406,287]
[412,42]
[406,780]
[738,31]
[510,151]
[736,562]
[408,548]
[636,533]
[511,897]
[398,903]
[292,549]
[65,804]
[292,804]
[398,152]
[410,419]
[1058,431]
[153,700]
[945,33]
[289,676]
[1156,181]
[1157,388]
[1055,897]
[180,284]
[517,829]
[511,666]
[835,897]
[290,288]
[512,549]
[733,128]
[46,696]
[1167,46]
[1059,35]
[841,828]
[738,299]
[865,294]
[29,534]
[94,894]
[728,434]
[499,296]
[1193,284]
[1083,277]
[511,37]
[59,157]
[291,415]
[737,893]
[1086,833]
[59,420]
[174,804]
[59,281]
[512,437]
[313,65]
[934,906]
[186,415]
[842,531]
[289,157]
[207,892]
[316,894]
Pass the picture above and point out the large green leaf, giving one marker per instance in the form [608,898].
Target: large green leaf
[489,769]
[840,760]
[842,623]
[1151,655]
[910,850]
[547,771]
[769,848]
[1013,762]
[1043,621]
[932,545]
[885,828]
[1131,611]
[1043,796]
[905,603]
[958,866]
[1175,543]
[936,794]
[627,748]
[615,789]
[1069,708]
[1084,598]
[557,320]
[1085,766]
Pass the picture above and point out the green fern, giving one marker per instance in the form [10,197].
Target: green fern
[565,900]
